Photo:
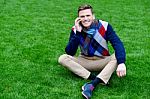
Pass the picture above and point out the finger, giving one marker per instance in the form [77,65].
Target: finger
[77,20]
[121,74]
[118,73]
[124,73]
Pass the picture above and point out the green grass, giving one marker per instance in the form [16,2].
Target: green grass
[34,33]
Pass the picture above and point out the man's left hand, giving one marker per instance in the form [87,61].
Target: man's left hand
[121,70]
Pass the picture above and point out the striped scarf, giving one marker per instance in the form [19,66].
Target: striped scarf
[95,43]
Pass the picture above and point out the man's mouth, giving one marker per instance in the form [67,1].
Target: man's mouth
[86,21]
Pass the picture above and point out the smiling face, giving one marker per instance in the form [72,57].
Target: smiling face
[86,17]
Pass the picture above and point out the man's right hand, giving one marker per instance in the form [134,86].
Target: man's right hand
[77,24]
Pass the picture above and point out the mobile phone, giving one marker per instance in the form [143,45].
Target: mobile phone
[78,19]
[80,23]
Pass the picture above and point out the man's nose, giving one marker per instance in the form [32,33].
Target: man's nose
[85,17]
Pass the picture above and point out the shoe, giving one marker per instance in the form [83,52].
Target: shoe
[87,90]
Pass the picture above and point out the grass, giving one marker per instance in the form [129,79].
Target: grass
[34,33]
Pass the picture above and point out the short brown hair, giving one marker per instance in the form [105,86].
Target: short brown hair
[85,6]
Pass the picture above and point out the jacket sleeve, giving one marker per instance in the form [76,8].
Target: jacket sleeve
[73,43]
[117,45]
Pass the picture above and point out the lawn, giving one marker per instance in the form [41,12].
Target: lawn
[34,33]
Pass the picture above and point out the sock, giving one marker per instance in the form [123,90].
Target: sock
[96,81]
[91,77]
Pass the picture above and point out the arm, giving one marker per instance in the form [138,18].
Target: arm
[74,39]
[119,51]
[73,43]
[117,45]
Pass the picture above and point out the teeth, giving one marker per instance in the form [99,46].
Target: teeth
[86,22]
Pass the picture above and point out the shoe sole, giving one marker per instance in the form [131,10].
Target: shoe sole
[82,88]
[85,96]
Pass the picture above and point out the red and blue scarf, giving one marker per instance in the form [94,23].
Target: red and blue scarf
[93,42]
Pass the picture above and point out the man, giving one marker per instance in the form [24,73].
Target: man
[92,36]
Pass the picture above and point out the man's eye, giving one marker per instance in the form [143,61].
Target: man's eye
[82,16]
[87,15]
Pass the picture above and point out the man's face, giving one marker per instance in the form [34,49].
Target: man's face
[86,17]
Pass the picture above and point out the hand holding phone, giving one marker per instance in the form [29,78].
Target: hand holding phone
[78,24]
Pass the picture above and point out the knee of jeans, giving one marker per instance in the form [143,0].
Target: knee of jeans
[62,58]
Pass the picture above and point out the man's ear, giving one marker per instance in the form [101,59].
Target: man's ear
[93,16]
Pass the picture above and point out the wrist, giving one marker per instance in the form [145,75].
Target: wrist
[121,64]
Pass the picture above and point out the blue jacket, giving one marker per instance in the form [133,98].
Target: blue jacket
[107,32]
